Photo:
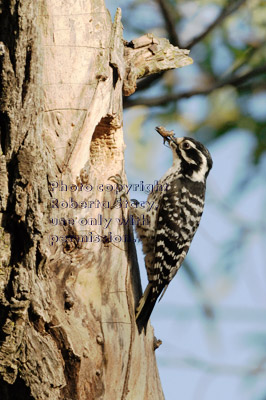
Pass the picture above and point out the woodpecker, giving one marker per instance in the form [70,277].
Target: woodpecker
[167,237]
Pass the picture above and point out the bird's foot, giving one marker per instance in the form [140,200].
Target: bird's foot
[120,189]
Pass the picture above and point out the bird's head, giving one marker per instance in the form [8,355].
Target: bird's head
[189,156]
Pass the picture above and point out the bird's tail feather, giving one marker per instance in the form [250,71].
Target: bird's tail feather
[145,307]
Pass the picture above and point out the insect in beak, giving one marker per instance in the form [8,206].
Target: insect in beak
[168,136]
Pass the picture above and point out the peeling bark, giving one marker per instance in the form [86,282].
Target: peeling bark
[66,304]
[149,55]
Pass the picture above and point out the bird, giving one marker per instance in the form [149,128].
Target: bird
[172,224]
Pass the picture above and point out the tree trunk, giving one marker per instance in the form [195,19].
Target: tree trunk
[69,275]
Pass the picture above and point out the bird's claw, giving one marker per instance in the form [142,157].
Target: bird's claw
[120,191]
[116,179]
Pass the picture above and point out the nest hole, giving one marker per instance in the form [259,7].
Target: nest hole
[105,148]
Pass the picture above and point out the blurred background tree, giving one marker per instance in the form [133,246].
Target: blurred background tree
[212,317]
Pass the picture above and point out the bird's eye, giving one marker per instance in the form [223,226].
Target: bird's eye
[186,145]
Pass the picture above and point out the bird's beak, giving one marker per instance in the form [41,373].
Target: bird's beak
[178,140]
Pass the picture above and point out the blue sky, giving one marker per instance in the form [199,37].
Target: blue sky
[192,345]
[210,358]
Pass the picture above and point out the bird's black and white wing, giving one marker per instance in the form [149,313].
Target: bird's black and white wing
[168,250]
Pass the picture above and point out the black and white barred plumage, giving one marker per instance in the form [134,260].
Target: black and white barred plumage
[167,238]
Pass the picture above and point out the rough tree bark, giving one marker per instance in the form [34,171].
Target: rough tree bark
[69,289]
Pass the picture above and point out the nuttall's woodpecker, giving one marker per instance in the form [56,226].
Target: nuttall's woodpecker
[167,237]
